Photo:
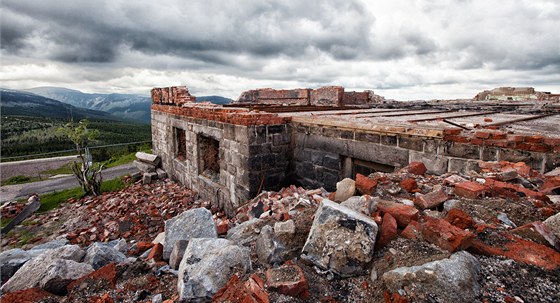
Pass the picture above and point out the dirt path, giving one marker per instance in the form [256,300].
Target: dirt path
[18,191]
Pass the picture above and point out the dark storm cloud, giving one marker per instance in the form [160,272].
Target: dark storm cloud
[83,32]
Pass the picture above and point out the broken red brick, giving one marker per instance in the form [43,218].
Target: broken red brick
[107,274]
[141,247]
[470,190]
[388,231]
[520,250]
[411,230]
[252,291]
[552,184]
[394,297]
[156,253]
[498,188]
[288,280]
[409,184]
[222,226]
[432,199]
[103,299]
[488,120]
[27,295]
[538,232]
[445,235]
[404,214]
[365,185]
[482,135]
[460,219]
[533,139]
[416,168]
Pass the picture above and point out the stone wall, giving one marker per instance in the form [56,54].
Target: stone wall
[248,156]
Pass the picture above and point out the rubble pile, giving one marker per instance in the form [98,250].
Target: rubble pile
[149,166]
[482,236]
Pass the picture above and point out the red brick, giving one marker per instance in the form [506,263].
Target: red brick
[515,138]
[156,253]
[252,291]
[365,185]
[498,188]
[222,225]
[29,295]
[388,231]
[498,135]
[477,141]
[533,139]
[498,143]
[551,185]
[488,120]
[107,274]
[445,235]
[538,232]
[481,135]
[416,168]
[411,230]
[520,250]
[553,142]
[288,280]
[141,247]
[404,214]
[409,185]
[451,131]
[460,219]
[431,200]
[458,139]
[470,190]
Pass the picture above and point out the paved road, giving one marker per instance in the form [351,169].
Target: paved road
[18,191]
[32,168]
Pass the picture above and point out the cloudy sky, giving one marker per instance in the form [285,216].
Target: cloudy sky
[401,49]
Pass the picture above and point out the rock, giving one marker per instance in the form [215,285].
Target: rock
[193,223]
[285,228]
[345,189]
[148,158]
[364,204]
[553,222]
[404,214]
[157,298]
[245,232]
[207,265]
[269,249]
[99,255]
[288,280]
[161,174]
[365,185]
[470,190]
[144,167]
[450,204]
[160,238]
[105,277]
[11,260]
[538,232]
[449,280]
[445,235]
[388,231]
[432,199]
[52,271]
[147,178]
[341,240]
[51,244]
[177,253]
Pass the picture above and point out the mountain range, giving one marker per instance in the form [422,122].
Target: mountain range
[127,106]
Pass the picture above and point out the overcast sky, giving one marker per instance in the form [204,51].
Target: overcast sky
[401,49]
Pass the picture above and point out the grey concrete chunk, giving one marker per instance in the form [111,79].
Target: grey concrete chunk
[284,229]
[345,189]
[144,167]
[194,223]
[99,255]
[341,240]
[11,260]
[177,253]
[553,222]
[245,232]
[148,158]
[449,280]
[206,267]
[52,271]
[161,174]
[147,178]
[269,249]
[364,204]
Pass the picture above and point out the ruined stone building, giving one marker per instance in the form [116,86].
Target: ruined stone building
[315,137]
[516,94]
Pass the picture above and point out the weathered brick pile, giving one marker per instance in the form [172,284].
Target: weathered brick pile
[535,143]
[174,95]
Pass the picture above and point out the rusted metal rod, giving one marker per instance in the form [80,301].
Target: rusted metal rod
[457,116]
[520,120]
[455,124]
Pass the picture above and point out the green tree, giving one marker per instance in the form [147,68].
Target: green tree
[87,173]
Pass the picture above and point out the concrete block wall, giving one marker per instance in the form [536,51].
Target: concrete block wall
[248,157]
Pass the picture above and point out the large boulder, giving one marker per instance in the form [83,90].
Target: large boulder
[100,254]
[448,280]
[207,265]
[194,223]
[341,240]
[52,271]
[11,260]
